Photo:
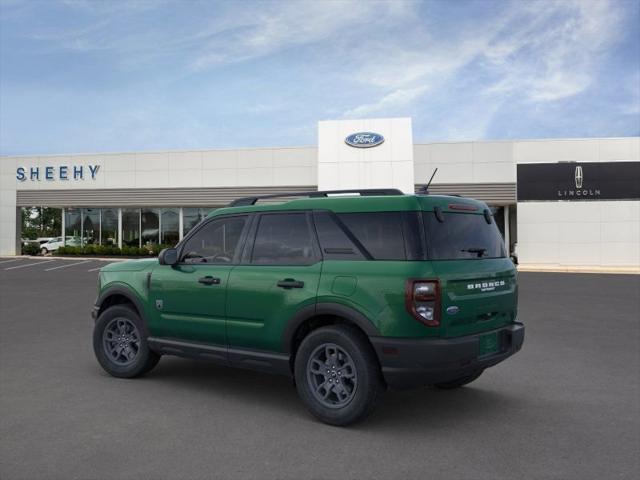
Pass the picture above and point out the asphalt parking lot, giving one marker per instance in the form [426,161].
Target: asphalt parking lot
[567,406]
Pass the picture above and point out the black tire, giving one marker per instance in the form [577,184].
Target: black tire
[361,384]
[459,382]
[132,357]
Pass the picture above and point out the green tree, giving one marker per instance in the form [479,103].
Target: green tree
[41,222]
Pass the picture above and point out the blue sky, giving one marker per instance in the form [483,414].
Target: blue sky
[85,76]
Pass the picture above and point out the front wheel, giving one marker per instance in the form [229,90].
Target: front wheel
[459,382]
[337,375]
[44,251]
[120,343]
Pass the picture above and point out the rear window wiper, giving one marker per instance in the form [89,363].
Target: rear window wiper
[479,251]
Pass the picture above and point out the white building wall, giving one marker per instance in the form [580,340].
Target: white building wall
[7,207]
[465,162]
[389,165]
[295,166]
[579,233]
[209,168]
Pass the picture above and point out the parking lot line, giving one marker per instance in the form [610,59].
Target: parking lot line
[9,261]
[94,269]
[42,262]
[65,266]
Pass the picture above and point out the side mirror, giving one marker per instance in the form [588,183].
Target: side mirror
[168,256]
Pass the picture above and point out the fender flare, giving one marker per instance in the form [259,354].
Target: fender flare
[125,292]
[336,309]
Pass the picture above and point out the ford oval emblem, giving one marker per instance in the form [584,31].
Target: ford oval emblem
[452,310]
[364,139]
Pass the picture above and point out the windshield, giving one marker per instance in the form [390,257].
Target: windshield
[462,236]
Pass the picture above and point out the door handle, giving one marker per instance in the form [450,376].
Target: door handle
[290,283]
[209,280]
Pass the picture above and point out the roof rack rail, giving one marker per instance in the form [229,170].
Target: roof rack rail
[246,201]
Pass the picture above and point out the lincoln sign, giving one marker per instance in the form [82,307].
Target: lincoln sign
[575,181]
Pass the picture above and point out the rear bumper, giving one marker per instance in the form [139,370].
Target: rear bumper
[408,363]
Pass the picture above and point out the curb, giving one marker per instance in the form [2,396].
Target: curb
[54,257]
[577,269]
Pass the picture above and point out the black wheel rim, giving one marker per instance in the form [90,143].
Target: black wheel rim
[332,377]
[121,341]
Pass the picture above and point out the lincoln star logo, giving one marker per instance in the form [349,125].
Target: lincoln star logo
[579,177]
[580,190]
[364,139]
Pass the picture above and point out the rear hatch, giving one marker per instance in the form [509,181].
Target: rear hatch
[477,281]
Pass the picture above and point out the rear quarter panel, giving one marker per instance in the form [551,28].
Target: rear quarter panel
[376,289]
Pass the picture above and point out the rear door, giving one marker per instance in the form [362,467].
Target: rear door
[477,280]
[279,275]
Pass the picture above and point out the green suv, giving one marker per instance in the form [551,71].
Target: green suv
[348,293]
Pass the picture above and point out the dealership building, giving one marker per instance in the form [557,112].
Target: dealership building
[558,203]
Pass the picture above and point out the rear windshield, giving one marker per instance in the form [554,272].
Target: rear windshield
[462,236]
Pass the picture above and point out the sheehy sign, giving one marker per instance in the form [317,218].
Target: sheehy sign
[61,172]
[576,181]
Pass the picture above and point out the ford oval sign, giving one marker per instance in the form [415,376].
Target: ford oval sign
[364,139]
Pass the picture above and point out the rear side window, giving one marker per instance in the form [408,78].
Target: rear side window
[334,242]
[381,233]
[283,239]
[462,236]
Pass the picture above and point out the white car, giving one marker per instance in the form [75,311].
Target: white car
[57,242]
[52,245]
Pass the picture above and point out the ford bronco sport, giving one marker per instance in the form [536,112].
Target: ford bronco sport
[347,294]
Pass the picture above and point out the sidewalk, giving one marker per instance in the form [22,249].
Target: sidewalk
[579,269]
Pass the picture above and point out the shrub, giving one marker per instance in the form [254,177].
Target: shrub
[31,249]
[108,250]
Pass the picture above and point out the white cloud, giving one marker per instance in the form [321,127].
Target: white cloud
[551,55]
[272,27]
[536,51]
[397,98]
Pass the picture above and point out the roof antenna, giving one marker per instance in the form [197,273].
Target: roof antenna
[425,190]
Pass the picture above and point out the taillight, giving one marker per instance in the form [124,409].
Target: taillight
[422,299]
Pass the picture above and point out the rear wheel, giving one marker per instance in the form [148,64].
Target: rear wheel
[44,251]
[120,343]
[337,375]
[459,382]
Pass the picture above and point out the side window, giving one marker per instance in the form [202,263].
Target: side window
[381,233]
[215,242]
[283,239]
[334,242]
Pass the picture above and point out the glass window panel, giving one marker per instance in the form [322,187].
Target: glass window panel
[72,226]
[192,216]
[283,239]
[214,242]
[462,236]
[90,226]
[131,227]
[150,226]
[380,233]
[109,226]
[170,225]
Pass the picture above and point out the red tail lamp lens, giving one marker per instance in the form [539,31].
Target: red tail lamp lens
[422,299]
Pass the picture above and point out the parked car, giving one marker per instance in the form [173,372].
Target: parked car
[51,245]
[347,295]
[56,242]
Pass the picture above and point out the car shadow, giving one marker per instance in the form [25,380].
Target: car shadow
[408,409]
